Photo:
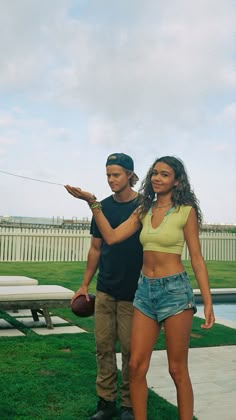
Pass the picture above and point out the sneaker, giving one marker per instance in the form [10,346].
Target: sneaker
[106,410]
[127,413]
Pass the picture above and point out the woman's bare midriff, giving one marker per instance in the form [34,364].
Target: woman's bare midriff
[161,264]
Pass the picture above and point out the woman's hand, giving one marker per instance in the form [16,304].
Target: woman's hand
[81,195]
[209,317]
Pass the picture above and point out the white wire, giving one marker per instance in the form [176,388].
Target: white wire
[32,179]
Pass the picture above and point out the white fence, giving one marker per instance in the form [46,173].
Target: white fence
[56,244]
[44,245]
[216,246]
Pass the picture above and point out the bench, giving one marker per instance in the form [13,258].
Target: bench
[17,281]
[38,298]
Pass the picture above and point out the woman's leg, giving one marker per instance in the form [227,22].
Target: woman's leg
[144,334]
[177,333]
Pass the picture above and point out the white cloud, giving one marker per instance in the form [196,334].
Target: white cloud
[6,140]
[101,131]
[229,113]
[81,78]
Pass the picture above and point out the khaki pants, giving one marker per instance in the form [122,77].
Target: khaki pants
[113,320]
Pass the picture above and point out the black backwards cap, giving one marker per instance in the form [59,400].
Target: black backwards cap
[123,160]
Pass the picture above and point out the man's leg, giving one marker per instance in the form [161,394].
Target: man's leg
[105,336]
[124,324]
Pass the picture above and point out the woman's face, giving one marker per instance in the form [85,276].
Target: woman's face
[163,178]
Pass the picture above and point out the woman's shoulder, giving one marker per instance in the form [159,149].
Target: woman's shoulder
[183,211]
[142,217]
[184,208]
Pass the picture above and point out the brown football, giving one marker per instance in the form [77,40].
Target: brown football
[83,308]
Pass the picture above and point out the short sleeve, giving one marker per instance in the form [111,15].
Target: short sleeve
[186,210]
[94,229]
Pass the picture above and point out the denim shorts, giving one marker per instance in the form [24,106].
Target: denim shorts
[159,298]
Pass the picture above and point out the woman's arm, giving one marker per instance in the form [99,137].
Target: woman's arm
[191,235]
[110,235]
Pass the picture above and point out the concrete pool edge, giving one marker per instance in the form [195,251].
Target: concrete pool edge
[219,295]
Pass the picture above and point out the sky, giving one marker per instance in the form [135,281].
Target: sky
[80,80]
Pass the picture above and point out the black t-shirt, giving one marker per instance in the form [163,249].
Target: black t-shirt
[119,264]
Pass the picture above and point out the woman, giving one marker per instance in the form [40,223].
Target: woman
[169,215]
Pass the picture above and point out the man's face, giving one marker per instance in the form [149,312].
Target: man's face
[117,178]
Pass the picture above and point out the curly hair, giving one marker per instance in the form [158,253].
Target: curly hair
[182,194]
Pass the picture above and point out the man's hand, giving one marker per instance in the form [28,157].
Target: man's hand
[82,291]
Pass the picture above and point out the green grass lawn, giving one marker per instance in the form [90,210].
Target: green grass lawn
[221,273]
[70,274]
[53,377]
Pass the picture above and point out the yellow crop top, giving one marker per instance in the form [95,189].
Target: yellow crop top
[168,236]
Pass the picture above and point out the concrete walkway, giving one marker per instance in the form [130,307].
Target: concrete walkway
[61,326]
[213,375]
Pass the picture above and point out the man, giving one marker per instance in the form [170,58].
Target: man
[118,272]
